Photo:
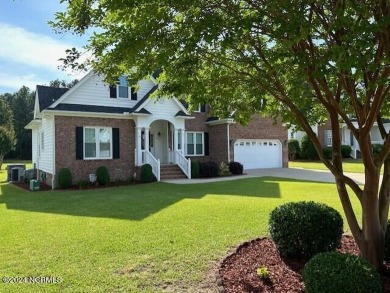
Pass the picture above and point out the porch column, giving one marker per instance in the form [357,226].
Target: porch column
[176,140]
[147,138]
[138,146]
[183,133]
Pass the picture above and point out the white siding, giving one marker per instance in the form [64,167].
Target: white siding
[95,92]
[45,160]
[34,147]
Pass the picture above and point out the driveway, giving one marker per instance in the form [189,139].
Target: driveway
[293,173]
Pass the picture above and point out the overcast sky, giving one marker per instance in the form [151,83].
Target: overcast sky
[29,48]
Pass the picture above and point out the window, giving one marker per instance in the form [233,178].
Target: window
[123,89]
[201,108]
[328,138]
[97,143]
[195,143]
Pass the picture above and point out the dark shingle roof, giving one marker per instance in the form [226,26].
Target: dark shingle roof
[181,114]
[157,73]
[91,108]
[47,95]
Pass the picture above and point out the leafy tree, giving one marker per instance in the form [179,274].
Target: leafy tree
[63,83]
[304,61]
[22,107]
[7,134]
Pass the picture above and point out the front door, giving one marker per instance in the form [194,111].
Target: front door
[159,140]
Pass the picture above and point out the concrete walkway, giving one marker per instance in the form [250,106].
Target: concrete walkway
[293,173]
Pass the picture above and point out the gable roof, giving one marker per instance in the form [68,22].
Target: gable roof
[47,95]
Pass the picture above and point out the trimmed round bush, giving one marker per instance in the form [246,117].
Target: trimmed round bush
[195,165]
[335,272]
[146,174]
[209,169]
[236,168]
[327,153]
[308,150]
[346,151]
[102,175]
[387,243]
[303,229]
[293,149]
[64,178]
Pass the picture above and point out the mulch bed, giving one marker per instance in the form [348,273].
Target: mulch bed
[237,273]
[26,185]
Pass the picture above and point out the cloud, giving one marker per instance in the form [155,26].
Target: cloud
[15,82]
[32,49]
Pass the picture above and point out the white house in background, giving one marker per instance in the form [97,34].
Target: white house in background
[324,133]
[349,139]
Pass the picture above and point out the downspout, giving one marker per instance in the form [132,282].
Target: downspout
[228,142]
[54,154]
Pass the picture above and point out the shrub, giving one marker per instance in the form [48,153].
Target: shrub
[208,169]
[308,150]
[82,184]
[335,272]
[102,175]
[327,153]
[377,148]
[224,170]
[146,174]
[387,243]
[294,150]
[236,168]
[64,178]
[195,165]
[303,229]
[346,151]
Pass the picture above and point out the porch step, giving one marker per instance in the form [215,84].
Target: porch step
[171,172]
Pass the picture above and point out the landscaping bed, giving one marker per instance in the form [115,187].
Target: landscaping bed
[237,273]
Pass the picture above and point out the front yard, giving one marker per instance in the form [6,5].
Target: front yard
[141,238]
[349,165]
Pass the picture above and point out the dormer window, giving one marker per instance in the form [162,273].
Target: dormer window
[122,90]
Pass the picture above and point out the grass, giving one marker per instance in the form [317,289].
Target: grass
[141,238]
[349,165]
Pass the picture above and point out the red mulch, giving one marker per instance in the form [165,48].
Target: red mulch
[26,185]
[238,271]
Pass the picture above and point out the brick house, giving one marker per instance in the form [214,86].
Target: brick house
[94,124]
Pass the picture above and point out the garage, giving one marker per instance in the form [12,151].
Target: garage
[258,153]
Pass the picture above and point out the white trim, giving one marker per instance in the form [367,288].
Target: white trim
[53,177]
[97,142]
[124,115]
[221,121]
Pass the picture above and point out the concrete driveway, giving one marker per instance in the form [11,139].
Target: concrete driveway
[293,173]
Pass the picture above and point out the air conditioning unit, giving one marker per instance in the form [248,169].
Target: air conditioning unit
[17,174]
[9,170]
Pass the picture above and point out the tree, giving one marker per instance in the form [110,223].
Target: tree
[7,134]
[303,61]
[63,83]
[22,107]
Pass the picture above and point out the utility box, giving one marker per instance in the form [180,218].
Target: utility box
[9,171]
[34,185]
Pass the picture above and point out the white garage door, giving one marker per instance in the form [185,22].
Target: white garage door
[258,153]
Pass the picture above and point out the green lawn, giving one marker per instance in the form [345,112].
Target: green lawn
[350,165]
[141,238]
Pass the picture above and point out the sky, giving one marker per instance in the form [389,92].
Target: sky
[29,47]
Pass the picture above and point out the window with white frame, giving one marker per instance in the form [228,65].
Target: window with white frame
[97,143]
[328,138]
[123,89]
[195,143]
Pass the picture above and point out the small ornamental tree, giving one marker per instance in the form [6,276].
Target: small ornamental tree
[302,61]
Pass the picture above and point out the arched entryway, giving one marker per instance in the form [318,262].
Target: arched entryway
[160,140]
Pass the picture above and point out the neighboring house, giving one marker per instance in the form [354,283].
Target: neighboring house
[376,138]
[94,124]
[324,133]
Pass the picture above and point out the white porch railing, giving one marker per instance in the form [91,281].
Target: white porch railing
[148,158]
[183,163]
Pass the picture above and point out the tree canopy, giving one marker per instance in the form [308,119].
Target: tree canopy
[303,61]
